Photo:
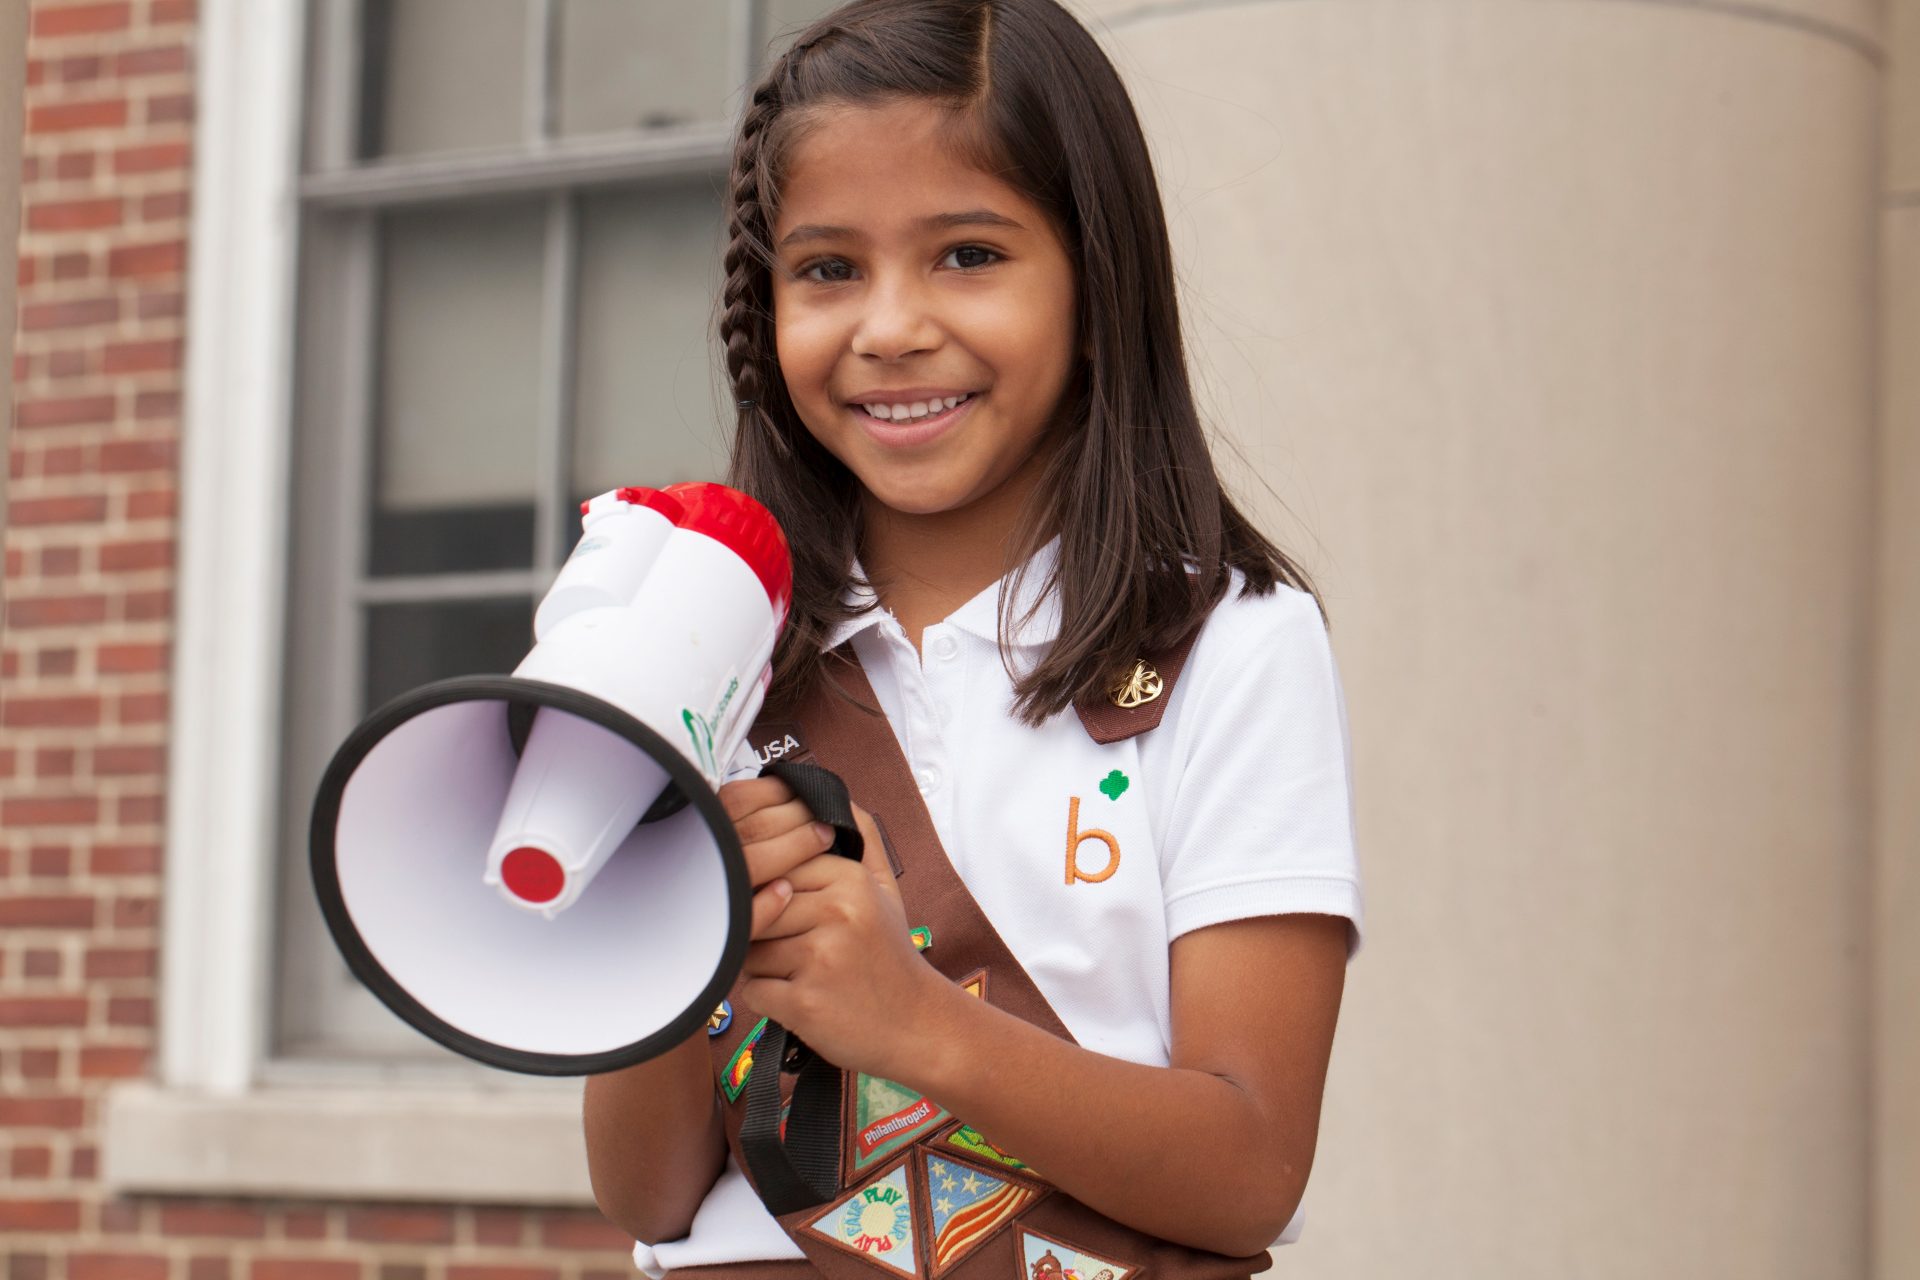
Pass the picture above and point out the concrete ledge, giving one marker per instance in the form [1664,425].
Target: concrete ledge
[467,1147]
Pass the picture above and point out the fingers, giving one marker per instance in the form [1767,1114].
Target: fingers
[749,794]
[768,906]
[768,860]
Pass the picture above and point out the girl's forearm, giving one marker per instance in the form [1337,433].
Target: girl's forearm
[1176,1153]
[654,1141]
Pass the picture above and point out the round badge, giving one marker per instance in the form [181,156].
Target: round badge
[720,1019]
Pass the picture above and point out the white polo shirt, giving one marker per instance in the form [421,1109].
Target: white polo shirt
[1237,805]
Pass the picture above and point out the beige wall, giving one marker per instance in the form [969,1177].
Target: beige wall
[13,58]
[1897,777]
[1553,328]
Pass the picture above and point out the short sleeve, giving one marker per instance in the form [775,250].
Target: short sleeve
[1261,820]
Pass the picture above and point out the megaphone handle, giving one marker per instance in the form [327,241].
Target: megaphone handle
[801,1169]
[826,795]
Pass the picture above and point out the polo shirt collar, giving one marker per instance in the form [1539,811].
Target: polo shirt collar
[979,616]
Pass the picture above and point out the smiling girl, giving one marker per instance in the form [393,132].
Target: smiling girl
[1084,984]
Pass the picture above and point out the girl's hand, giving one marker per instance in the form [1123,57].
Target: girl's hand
[777,833]
[836,965]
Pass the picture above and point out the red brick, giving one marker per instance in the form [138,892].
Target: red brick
[164,206]
[50,862]
[120,1218]
[112,1062]
[9,762]
[226,1221]
[83,1164]
[401,1226]
[153,157]
[154,504]
[139,811]
[159,60]
[72,266]
[59,562]
[63,117]
[74,166]
[167,305]
[54,762]
[303,1269]
[124,859]
[77,508]
[26,1266]
[157,258]
[41,963]
[43,811]
[209,1268]
[31,1162]
[46,911]
[499,1226]
[501,1273]
[121,456]
[145,606]
[142,708]
[23,713]
[128,761]
[65,460]
[42,1113]
[116,1266]
[130,1011]
[121,962]
[56,662]
[26,269]
[160,355]
[303,1224]
[50,22]
[39,1064]
[43,1011]
[137,555]
[166,11]
[56,611]
[170,108]
[582,1231]
[136,913]
[74,314]
[39,1215]
[402,1271]
[75,215]
[69,364]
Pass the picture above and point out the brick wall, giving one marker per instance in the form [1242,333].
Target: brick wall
[89,562]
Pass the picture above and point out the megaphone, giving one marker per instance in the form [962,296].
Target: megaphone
[535,870]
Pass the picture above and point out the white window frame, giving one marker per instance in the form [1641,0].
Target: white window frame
[217,1119]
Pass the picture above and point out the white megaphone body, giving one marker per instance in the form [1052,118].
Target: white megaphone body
[535,869]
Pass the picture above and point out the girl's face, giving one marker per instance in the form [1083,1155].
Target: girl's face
[924,311]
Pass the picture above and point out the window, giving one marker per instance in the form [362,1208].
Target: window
[510,237]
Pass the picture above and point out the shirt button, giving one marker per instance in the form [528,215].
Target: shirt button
[944,647]
[929,779]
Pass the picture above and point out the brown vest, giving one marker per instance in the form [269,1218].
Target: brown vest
[923,1196]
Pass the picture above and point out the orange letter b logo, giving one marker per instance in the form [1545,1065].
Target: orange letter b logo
[1077,837]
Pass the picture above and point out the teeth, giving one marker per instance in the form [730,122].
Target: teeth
[917,410]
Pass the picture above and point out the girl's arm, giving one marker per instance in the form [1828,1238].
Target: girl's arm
[1212,1151]
[655,1143]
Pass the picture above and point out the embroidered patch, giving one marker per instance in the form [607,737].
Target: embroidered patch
[875,1223]
[721,1018]
[966,1206]
[1114,785]
[1076,837]
[975,984]
[922,938]
[885,1117]
[740,1065]
[1044,1258]
[771,742]
[967,1138]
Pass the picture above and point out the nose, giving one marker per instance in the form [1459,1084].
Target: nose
[897,321]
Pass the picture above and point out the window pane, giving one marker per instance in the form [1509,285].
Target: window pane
[782,20]
[445,74]
[641,64]
[646,371]
[459,390]
[409,645]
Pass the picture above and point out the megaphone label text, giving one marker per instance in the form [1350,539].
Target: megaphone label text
[740,1065]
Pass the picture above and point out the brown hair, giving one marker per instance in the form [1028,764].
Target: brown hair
[1148,537]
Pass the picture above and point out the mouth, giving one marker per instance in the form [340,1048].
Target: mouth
[909,413]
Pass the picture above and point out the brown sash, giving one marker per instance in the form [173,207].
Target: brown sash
[923,1196]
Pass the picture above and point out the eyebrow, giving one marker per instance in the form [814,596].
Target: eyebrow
[809,231]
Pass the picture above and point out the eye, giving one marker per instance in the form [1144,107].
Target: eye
[827,271]
[969,257]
